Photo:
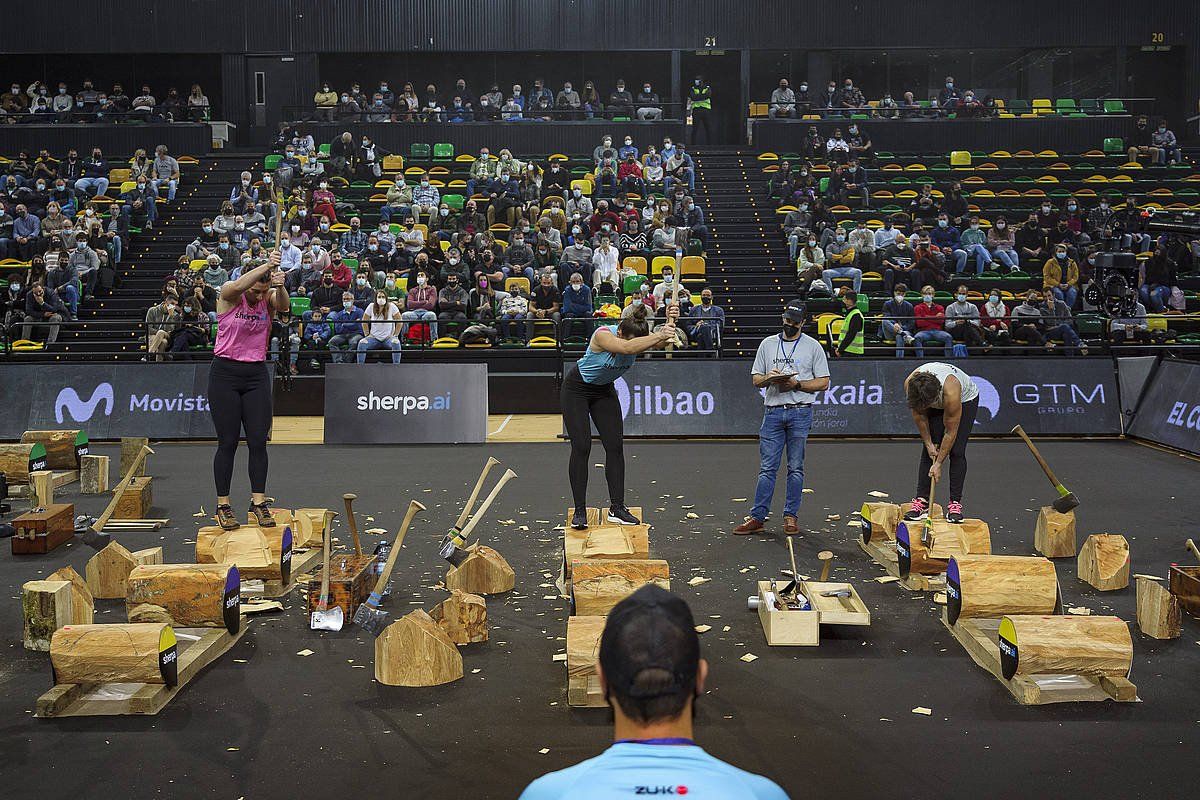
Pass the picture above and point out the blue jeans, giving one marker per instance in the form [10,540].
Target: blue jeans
[854,273]
[983,259]
[422,316]
[1155,297]
[960,261]
[368,343]
[941,337]
[1068,295]
[893,330]
[171,187]
[83,184]
[1008,258]
[71,294]
[780,427]
[1065,332]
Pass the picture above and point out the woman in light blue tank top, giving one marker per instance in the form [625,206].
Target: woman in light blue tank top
[589,397]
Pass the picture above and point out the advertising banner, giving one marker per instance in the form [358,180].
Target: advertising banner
[108,401]
[866,398]
[1170,409]
[406,403]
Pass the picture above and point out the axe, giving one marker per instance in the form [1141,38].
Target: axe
[454,534]
[369,615]
[1066,498]
[789,591]
[94,536]
[349,499]
[450,550]
[324,618]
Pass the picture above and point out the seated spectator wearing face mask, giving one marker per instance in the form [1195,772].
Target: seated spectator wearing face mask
[708,321]
[545,304]
[1060,276]
[380,326]
[930,323]
[454,301]
[1001,243]
[783,101]
[514,307]
[963,321]
[1027,323]
[347,329]
[995,320]
[421,304]
[840,257]
[898,322]
[161,320]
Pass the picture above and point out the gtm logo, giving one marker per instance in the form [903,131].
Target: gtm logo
[82,411]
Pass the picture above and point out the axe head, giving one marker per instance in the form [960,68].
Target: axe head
[1065,502]
[453,553]
[371,619]
[96,541]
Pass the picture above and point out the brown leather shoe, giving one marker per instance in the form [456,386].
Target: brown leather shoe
[790,526]
[751,525]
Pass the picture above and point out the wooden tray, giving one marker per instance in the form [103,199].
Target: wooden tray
[803,628]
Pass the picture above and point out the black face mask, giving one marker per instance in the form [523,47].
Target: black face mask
[790,329]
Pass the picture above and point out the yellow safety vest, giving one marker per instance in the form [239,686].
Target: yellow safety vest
[856,345]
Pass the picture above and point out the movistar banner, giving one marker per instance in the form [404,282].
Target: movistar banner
[866,397]
[161,401]
[405,403]
[1170,409]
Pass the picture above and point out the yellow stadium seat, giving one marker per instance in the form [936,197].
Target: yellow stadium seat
[1156,322]
[1046,179]
[512,284]
[543,342]
[118,175]
[384,183]
[457,183]
[1042,105]
[691,268]
[983,193]
[784,209]
[414,171]
[444,244]
[1047,154]
[974,179]
[768,156]
[127,186]
[1059,165]
[820,168]
[197,264]
[907,194]
[377,198]
[891,168]
[1131,165]
[393,163]
[637,264]
[960,158]
[444,342]
[1000,154]
[582,184]
[339,227]
[915,168]
[466,158]
[558,157]
[1121,179]
[1024,154]
[656,266]
[988,165]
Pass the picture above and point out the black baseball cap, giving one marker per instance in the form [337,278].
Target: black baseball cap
[796,311]
[649,648]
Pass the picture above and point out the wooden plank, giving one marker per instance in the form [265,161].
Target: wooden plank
[301,563]
[65,477]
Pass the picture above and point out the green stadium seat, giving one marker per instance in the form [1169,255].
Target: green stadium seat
[1089,105]
[1114,144]
[271,162]
[1065,105]
[1019,107]
[443,151]
[419,150]
[323,150]
[455,201]
[1114,107]
[300,305]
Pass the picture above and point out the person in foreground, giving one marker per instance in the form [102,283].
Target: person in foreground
[239,385]
[943,400]
[588,396]
[652,675]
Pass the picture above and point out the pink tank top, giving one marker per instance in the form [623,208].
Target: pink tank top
[243,330]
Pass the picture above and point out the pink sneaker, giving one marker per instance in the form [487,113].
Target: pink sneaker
[954,511]
[919,510]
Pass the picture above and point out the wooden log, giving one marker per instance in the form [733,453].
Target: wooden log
[414,651]
[185,595]
[583,655]
[82,605]
[135,499]
[63,448]
[912,557]
[16,460]
[599,584]
[319,520]
[131,653]
[1158,611]
[1104,561]
[45,607]
[259,553]
[1065,645]
[879,521]
[93,474]
[462,616]
[131,446]
[992,586]
[108,571]
[483,572]
[41,485]
[950,539]
[1054,534]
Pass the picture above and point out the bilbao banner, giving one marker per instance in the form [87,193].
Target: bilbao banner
[1170,409]
[866,398]
[108,401]
[406,403]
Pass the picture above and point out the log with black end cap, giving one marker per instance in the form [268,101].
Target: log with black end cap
[1066,499]
[454,534]
[369,615]
[185,595]
[986,586]
[451,549]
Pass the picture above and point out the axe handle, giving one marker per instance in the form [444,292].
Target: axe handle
[674,300]
[792,556]
[323,601]
[377,593]
[103,519]
[487,502]
[1192,546]
[353,526]
[466,512]
[1041,461]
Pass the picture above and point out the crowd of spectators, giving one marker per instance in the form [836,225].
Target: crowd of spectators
[41,103]
[390,102]
[58,217]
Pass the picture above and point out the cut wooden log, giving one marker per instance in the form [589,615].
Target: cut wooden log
[912,557]
[463,617]
[131,653]
[45,607]
[1158,611]
[1065,645]
[136,499]
[82,605]
[93,474]
[41,485]
[131,446]
[311,525]
[1054,535]
[879,521]
[483,572]
[259,553]
[18,460]
[599,584]
[950,539]
[1104,561]
[992,586]
[108,571]
[185,595]
[63,448]
[414,651]
[583,655]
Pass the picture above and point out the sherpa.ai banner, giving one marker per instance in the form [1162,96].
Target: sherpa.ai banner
[686,397]
[1170,409]
[406,403]
[108,401]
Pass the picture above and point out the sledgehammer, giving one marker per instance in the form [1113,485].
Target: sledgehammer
[1066,498]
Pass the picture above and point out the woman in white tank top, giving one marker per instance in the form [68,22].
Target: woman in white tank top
[943,400]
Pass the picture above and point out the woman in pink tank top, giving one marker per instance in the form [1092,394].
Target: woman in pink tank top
[239,385]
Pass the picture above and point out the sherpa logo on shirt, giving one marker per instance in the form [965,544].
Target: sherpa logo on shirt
[660,790]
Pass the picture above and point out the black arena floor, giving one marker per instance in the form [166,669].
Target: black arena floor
[833,721]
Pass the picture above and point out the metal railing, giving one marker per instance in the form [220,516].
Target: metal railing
[77,117]
[933,110]
[670,111]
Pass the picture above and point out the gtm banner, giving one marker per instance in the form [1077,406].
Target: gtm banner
[865,398]
[1170,410]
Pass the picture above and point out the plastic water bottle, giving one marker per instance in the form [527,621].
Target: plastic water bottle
[381,556]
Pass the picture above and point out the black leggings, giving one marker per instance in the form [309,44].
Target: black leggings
[239,395]
[582,404]
[958,451]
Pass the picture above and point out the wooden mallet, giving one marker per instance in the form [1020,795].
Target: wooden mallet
[1066,498]
[349,499]
[826,557]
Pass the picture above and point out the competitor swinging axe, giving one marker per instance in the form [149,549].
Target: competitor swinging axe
[1066,498]
[450,549]
[454,534]
[369,615]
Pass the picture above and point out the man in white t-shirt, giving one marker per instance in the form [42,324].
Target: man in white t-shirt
[381,328]
[790,368]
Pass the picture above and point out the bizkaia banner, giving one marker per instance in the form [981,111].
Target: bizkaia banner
[866,398]
[1170,409]
[161,401]
[406,403]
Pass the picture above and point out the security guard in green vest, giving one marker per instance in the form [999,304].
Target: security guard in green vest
[700,103]
[853,326]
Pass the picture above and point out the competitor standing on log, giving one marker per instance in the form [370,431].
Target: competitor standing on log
[588,396]
[943,400]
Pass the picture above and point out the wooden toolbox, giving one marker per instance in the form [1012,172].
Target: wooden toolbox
[1185,584]
[351,579]
[136,500]
[794,627]
[43,529]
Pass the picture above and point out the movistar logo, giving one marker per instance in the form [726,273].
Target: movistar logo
[82,411]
